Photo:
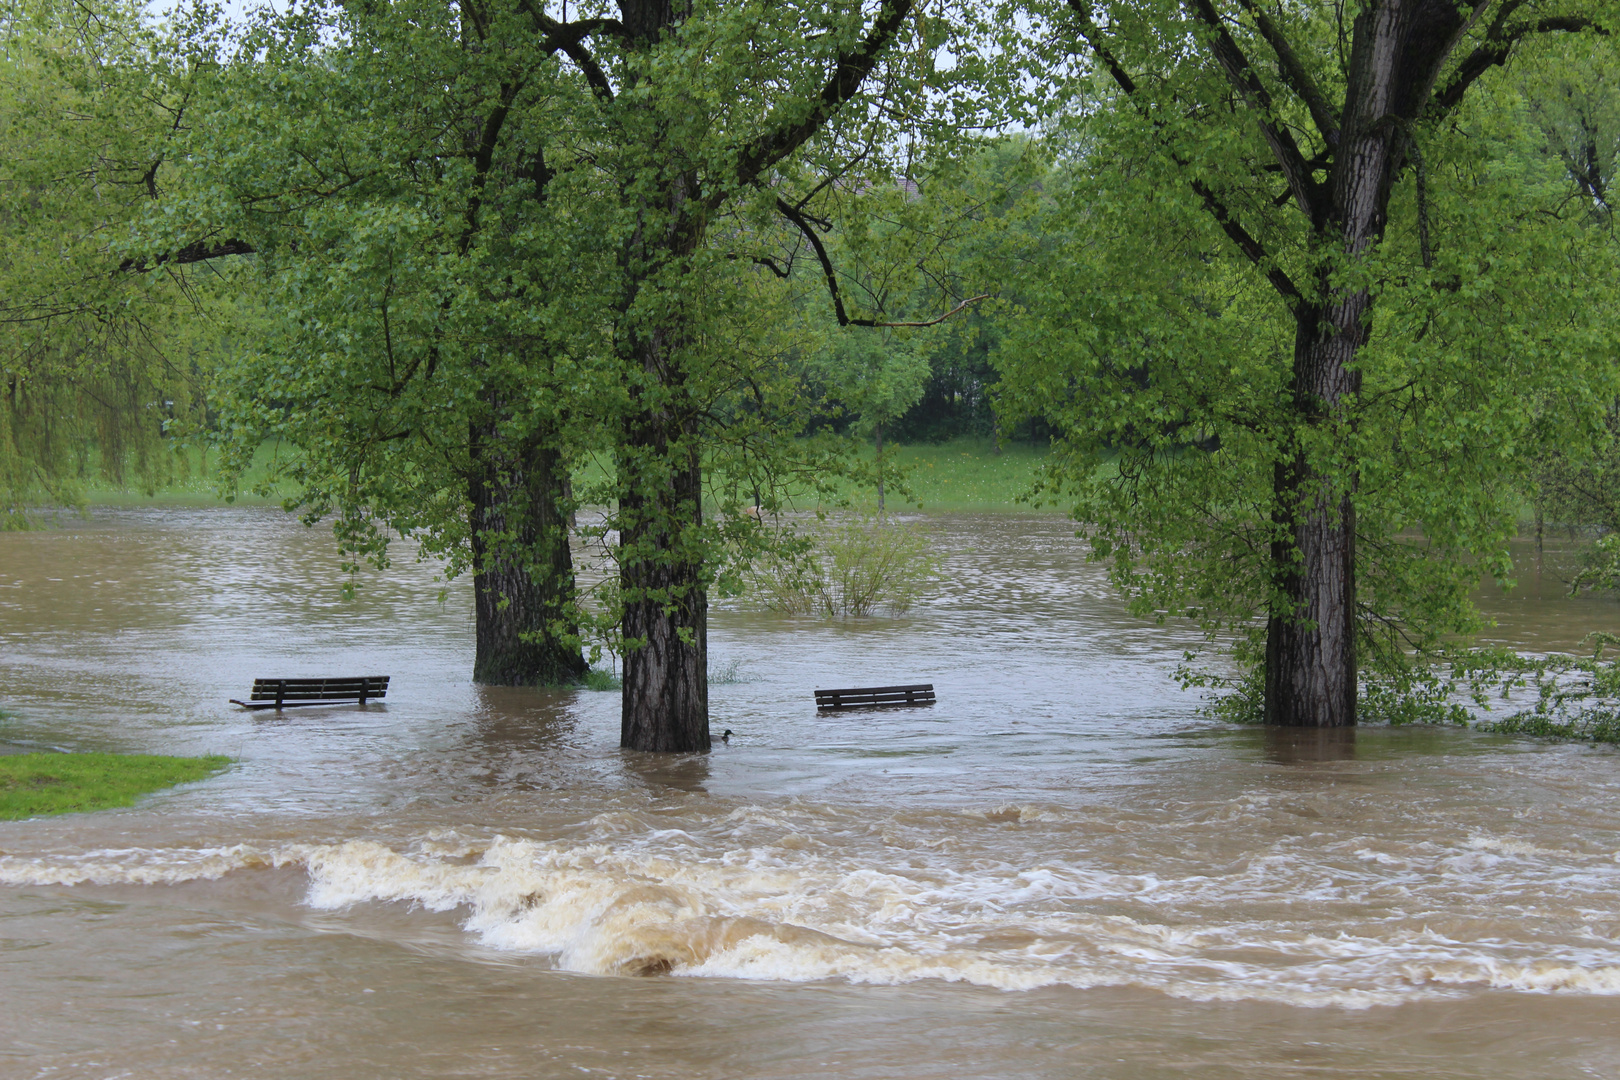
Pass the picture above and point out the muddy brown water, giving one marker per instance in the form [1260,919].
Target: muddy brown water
[1060,870]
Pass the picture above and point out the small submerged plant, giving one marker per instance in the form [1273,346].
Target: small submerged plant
[598,679]
[861,567]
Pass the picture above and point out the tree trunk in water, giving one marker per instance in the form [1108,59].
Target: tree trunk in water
[665,698]
[1311,634]
[523,572]
[665,694]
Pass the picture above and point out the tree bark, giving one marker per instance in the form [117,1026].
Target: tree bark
[523,571]
[662,573]
[665,697]
[665,690]
[1311,669]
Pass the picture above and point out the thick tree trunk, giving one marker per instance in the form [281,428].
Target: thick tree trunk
[1311,634]
[665,701]
[523,572]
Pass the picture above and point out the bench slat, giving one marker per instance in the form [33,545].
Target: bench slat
[304,684]
[867,697]
[343,690]
[288,703]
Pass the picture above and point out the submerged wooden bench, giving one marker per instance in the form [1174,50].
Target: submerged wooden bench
[286,693]
[875,697]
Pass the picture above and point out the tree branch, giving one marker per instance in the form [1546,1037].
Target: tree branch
[1294,74]
[793,214]
[1240,73]
[200,251]
[1240,236]
[484,157]
[830,275]
[1223,216]
[851,70]
[1494,52]
[940,319]
[569,38]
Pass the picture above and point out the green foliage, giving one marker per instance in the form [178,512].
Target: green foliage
[857,567]
[35,785]
[104,354]
[1164,357]
[597,679]
[1601,565]
[1577,697]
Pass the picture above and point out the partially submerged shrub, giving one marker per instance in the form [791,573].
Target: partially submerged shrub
[1576,696]
[860,567]
[1600,567]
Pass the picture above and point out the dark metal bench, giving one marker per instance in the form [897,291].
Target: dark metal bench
[875,697]
[286,693]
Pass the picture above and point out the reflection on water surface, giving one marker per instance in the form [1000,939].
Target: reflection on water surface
[1059,870]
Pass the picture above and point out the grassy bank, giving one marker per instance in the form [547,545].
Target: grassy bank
[34,785]
[194,481]
[967,474]
[961,475]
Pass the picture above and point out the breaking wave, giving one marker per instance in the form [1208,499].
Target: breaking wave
[767,897]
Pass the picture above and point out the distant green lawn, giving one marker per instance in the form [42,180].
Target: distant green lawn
[194,481]
[961,475]
[967,474]
[33,785]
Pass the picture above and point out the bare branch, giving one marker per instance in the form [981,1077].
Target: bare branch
[932,322]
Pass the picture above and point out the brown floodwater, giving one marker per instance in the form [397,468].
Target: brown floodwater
[1060,870]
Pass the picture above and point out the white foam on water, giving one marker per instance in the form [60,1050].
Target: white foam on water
[140,866]
[796,894]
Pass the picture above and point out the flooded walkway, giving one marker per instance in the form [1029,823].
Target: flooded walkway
[1060,870]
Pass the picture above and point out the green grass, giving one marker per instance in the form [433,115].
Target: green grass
[34,785]
[963,474]
[597,679]
[195,482]
[967,474]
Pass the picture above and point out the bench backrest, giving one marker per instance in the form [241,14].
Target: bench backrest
[867,696]
[359,688]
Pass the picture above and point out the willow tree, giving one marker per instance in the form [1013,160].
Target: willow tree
[98,363]
[1315,296]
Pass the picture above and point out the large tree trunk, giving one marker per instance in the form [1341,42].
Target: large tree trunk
[665,692]
[523,572]
[665,702]
[1311,633]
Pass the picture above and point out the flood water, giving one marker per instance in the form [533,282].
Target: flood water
[1060,870]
